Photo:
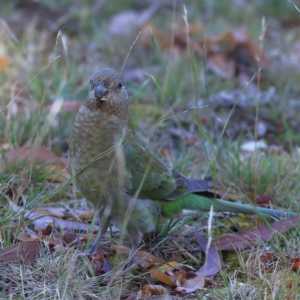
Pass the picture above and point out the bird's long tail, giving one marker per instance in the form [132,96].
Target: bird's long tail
[199,203]
[223,205]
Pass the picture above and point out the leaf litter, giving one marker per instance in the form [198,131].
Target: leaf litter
[231,54]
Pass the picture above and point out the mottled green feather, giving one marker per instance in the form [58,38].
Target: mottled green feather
[169,209]
[110,166]
[148,174]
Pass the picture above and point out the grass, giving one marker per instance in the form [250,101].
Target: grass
[201,141]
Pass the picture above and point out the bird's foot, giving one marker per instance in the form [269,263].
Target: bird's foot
[133,261]
[96,248]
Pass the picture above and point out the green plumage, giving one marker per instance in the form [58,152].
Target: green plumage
[127,185]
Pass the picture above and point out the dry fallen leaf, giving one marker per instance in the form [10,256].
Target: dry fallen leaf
[51,211]
[232,53]
[99,264]
[24,237]
[181,37]
[3,57]
[160,276]
[237,44]
[193,284]
[43,221]
[221,65]
[64,213]
[179,280]
[145,258]
[213,263]
[21,252]
[266,257]
[38,156]
[170,267]
[296,264]
[148,32]
[245,239]
[85,215]
[3,63]
[155,289]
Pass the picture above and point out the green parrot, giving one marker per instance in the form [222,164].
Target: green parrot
[127,185]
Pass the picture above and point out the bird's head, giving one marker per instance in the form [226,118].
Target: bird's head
[107,91]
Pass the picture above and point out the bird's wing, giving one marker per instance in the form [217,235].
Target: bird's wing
[152,179]
[186,186]
[149,176]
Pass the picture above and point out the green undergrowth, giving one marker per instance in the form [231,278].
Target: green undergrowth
[189,135]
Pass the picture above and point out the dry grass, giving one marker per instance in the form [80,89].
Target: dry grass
[191,142]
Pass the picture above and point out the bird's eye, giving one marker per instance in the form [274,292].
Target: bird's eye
[120,84]
[104,84]
[91,81]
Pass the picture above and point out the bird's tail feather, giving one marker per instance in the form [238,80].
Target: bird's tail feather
[200,203]
[223,205]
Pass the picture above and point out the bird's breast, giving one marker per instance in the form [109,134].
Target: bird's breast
[96,157]
[94,134]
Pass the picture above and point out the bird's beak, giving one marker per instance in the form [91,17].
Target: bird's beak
[101,91]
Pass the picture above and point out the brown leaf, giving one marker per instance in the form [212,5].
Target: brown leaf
[147,259]
[99,265]
[180,39]
[46,231]
[245,239]
[144,257]
[3,57]
[51,211]
[3,63]
[21,252]
[24,237]
[191,285]
[148,32]
[64,213]
[296,264]
[38,156]
[143,294]
[266,257]
[264,199]
[170,267]
[155,289]
[32,154]
[42,221]
[220,65]
[236,42]
[85,215]
[188,285]
[180,277]
[160,276]
[213,263]
[179,280]
[69,237]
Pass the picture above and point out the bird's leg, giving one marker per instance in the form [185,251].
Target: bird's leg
[132,259]
[136,238]
[97,245]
